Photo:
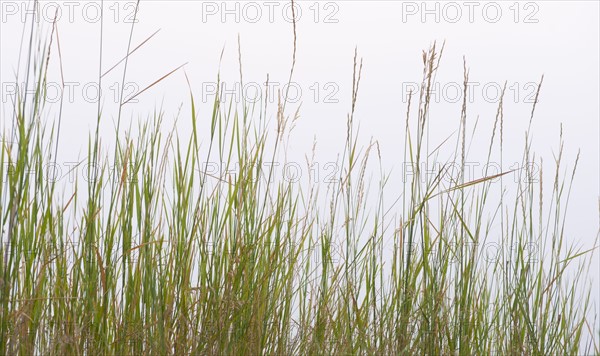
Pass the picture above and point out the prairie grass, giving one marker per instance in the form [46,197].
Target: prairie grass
[160,257]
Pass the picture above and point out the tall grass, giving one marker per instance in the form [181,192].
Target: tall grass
[158,256]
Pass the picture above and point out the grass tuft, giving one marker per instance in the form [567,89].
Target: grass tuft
[159,256]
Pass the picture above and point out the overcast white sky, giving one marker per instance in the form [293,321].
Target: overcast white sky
[502,41]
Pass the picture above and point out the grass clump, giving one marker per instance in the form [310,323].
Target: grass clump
[155,255]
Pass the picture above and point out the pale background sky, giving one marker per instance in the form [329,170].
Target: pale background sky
[510,41]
